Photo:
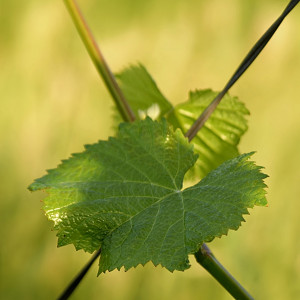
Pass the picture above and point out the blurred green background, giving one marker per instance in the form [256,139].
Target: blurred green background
[53,102]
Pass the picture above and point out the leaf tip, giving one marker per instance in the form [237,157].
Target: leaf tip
[35,186]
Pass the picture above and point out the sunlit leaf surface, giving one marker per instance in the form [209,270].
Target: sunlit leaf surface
[217,140]
[125,195]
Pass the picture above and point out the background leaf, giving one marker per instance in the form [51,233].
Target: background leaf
[124,195]
[142,93]
[217,140]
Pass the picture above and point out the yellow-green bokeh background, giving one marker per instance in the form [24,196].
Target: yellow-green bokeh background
[52,102]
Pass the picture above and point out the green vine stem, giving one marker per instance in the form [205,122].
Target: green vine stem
[99,61]
[245,64]
[209,262]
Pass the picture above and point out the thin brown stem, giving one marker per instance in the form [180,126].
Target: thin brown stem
[245,64]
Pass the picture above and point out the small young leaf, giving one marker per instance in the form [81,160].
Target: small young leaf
[217,140]
[124,195]
[142,93]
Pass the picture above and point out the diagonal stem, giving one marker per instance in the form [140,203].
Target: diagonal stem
[248,60]
[116,93]
[75,282]
[204,256]
[99,61]
[208,261]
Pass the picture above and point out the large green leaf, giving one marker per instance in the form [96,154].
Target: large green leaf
[217,140]
[124,195]
[142,93]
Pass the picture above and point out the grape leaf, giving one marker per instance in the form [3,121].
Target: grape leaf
[217,140]
[124,195]
[142,93]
